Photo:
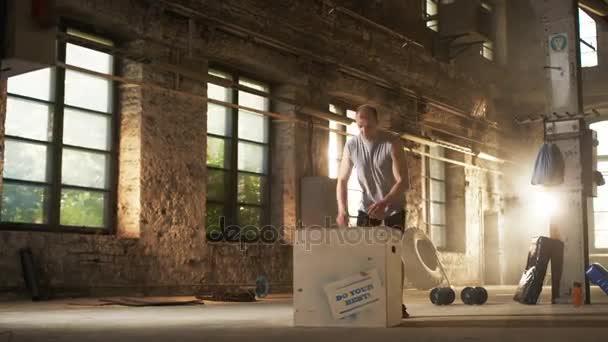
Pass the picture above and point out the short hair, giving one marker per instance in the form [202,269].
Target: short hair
[369,109]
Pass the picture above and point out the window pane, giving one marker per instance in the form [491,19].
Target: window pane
[353,181]
[88,92]
[431,7]
[439,236]
[600,203]
[436,167]
[24,203]
[86,129]
[249,216]
[214,212]
[82,208]
[216,184]
[26,161]
[251,188]
[29,119]
[220,93]
[219,120]
[352,128]
[36,84]
[588,33]
[437,191]
[437,213]
[601,230]
[218,152]
[89,59]
[602,136]
[253,101]
[601,239]
[336,110]
[334,151]
[252,157]
[253,126]
[84,169]
[355,197]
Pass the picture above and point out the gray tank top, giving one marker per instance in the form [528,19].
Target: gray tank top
[374,167]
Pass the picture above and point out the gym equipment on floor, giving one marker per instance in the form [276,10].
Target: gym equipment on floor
[542,250]
[474,295]
[30,276]
[441,295]
[598,275]
[422,268]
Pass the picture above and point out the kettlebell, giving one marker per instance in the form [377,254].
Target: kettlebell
[474,295]
[442,296]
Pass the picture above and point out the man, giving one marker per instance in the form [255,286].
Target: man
[379,159]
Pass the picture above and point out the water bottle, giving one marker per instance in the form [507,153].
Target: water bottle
[577,295]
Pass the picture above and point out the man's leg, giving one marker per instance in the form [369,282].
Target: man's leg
[397,221]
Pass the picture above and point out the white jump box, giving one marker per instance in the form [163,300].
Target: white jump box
[347,277]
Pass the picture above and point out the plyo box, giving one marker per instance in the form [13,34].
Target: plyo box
[348,277]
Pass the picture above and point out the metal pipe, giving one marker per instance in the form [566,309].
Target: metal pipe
[372,23]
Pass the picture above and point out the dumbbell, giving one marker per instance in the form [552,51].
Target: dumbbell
[442,296]
[474,295]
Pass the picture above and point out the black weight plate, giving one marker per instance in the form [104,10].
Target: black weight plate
[434,296]
[482,295]
[467,295]
[451,296]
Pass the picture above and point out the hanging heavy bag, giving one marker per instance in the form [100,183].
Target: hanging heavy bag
[549,166]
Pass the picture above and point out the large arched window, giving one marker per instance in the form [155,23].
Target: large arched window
[599,234]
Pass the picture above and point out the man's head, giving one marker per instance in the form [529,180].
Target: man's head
[367,121]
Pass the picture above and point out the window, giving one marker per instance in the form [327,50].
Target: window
[334,153]
[59,152]
[588,36]
[487,50]
[336,143]
[237,160]
[436,190]
[431,11]
[599,236]
[487,6]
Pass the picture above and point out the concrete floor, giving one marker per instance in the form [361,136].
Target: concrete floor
[271,320]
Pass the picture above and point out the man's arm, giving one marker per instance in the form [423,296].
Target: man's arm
[346,167]
[402,181]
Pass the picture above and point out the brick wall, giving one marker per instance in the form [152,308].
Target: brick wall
[160,245]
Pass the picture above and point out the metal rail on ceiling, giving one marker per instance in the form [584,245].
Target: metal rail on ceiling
[283,117]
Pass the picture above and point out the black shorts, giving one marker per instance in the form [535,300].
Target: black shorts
[396,220]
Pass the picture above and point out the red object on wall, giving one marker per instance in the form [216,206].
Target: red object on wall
[42,12]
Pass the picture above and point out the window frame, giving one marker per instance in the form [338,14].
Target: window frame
[230,203]
[586,39]
[487,45]
[343,109]
[426,15]
[591,230]
[56,146]
[429,200]
[338,110]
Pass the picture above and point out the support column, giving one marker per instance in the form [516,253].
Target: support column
[569,224]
